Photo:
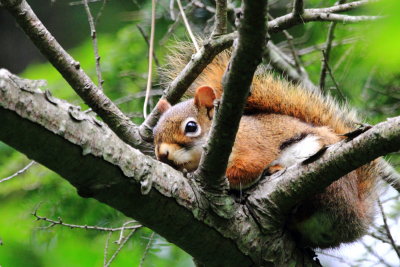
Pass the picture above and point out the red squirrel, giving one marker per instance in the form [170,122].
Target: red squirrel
[282,125]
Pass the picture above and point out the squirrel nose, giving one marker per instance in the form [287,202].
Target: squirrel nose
[163,156]
[164,152]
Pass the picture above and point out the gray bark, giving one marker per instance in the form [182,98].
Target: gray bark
[93,159]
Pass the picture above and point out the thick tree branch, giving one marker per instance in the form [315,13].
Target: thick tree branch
[251,41]
[94,160]
[100,165]
[71,70]
[282,191]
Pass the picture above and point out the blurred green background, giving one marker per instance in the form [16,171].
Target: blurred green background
[365,61]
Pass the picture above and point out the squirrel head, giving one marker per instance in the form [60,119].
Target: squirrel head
[183,129]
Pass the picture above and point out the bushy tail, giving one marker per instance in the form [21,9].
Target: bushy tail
[268,94]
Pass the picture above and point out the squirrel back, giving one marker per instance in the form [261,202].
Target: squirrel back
[283,124]
[267,94]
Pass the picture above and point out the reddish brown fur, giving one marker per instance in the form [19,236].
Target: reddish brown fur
[258,140]
[280,112]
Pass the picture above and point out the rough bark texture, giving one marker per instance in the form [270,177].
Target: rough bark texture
[93,159]
[237,80]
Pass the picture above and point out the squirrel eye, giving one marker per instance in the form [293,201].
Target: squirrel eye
[191,127]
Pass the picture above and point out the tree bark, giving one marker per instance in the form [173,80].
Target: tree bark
[93,159]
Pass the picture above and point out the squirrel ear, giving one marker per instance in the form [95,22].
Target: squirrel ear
[163,105]
[204,97]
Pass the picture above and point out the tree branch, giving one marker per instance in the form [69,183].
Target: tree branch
[327,53]
[282,191]
[251,42]
[298,8]
[85,227]
[282,64]
[101,166]
[24,169]
[387,230]
[220,18]
[71,70]
[94,160]
[343,7]
[93,35]
[318,14]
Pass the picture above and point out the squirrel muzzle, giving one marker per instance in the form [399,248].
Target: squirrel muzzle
[178,157]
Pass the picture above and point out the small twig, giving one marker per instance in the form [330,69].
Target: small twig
[284,65]
[344,7]
[171,9]
[344,58]
[288,21]
[174,25]
[119,248]
[24,169]
[326,54]
[313,48]
[148,44]
[187,25]
[372,252]
[387,230]
[146,251]
[127,98]
[86,227]
[332,77]
[121,234]
[367,85]
[293,50]
[76,3]
[328,47]
[383,240]
[151,49]
[106,248]
[203,6]
[170,30]
[100,11]
[94,43]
